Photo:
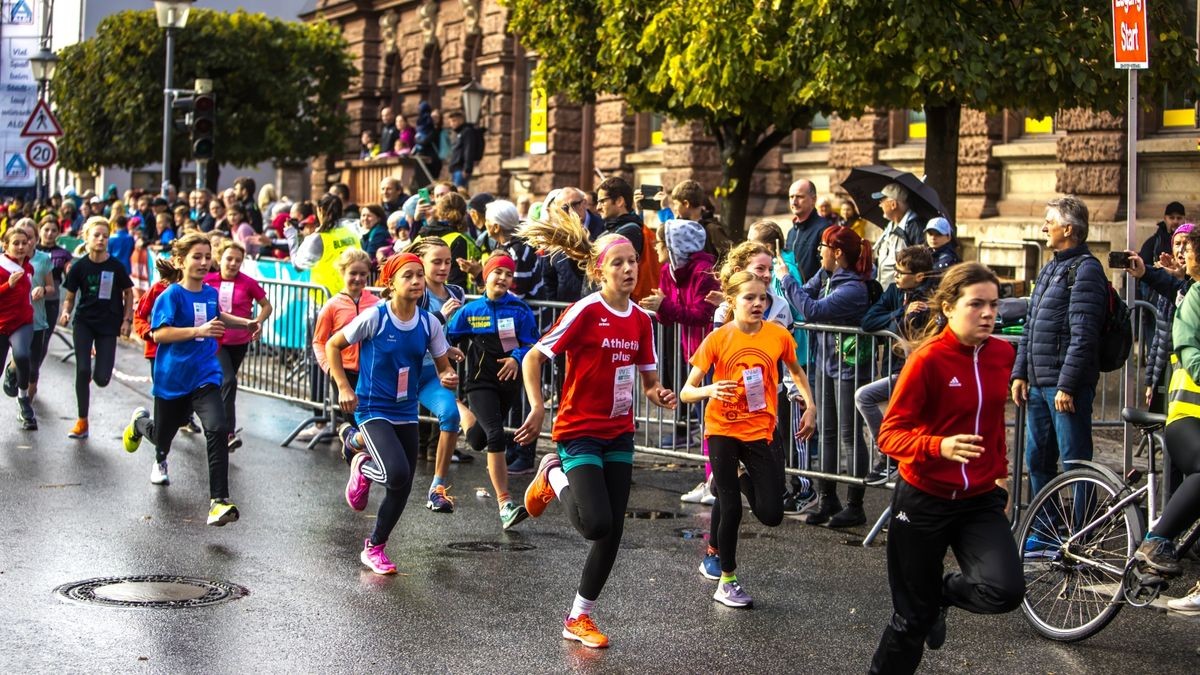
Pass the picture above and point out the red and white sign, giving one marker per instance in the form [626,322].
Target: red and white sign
[41,122]
[1131,38]
[41,153]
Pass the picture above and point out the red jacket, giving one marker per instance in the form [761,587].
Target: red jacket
[16,309]
[949,388]
[141,317]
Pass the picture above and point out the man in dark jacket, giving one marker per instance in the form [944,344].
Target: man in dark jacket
[1056,369]
[388,131]
[807,226]
[614,200]
[466,146]
[1160,241]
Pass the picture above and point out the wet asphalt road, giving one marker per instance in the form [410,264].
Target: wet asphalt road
[77,510]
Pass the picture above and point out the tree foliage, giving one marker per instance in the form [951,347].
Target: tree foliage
[278,87]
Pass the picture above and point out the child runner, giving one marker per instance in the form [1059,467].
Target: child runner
[60,259]
[104,293]
[43,284]
[237,294]
[186,324]
[16,314]
[499,328]
[394,337]
[739,420]
[607,340]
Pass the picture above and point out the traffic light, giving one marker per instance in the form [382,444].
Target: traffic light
[204,125]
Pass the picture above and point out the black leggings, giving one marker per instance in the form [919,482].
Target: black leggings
[762,484]
[230,358]
[21,341]
[393,450]
[1183,443]
[52,319]
[106,354]
[170,414]
[491,408]
[991,580]
[37,354]
[595,502]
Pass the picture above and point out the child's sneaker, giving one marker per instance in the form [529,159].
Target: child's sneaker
[374,558]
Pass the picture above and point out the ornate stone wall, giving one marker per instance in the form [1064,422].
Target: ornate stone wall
[856,142]
[978,170]
[1093,152]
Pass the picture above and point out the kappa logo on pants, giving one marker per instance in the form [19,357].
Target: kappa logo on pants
[902,517]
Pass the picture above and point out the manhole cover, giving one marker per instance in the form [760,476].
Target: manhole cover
[651,514]
[490,546]
[153,591]
[691,532]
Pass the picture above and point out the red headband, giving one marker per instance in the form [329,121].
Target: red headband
[393,265]
[498,260]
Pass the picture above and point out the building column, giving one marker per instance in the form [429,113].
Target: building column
[1093,157]
[978,170]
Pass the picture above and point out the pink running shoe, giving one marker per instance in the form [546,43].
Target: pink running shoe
[376,559]
[358,488]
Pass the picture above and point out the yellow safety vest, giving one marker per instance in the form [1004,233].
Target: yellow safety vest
[1183,393]
[333,242]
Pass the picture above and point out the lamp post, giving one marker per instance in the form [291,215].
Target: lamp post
[473,98]
[42,65]
[172,15]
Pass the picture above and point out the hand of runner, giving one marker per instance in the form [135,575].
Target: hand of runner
[15,277]
[450,307]
[255,329]
[962,448]
[449,379]
[509,369]
[456,355]
[212,329]
[532,427]
[664,398]
[723,390]
[347,400]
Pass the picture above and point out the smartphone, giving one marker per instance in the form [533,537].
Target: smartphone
[423,196]
[648,203]
[1118,260]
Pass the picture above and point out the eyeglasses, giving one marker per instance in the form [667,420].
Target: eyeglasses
[577,203]
[900,272]
[601,200]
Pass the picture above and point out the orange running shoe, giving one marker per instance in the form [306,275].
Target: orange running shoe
[80,430]
[539,494]
[583,629]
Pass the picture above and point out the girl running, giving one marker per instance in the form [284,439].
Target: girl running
[499,329]
[43,284]
[607,340]
[950,443]
[237,294]
[100,293]
[60,259]
[16,314]
[186,324]
[739,420]
[394,337]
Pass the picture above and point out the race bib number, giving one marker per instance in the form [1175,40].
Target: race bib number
[199,315]
[106,285]
[623,391]
[752,379]
[225,297]
[402,384]
[508,333]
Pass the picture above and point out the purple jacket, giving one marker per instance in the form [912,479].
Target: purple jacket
[683,302]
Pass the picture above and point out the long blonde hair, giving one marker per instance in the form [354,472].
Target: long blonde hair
[738,259]
[563,232]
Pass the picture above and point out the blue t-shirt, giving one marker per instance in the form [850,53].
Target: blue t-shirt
[120,246]
[181,368]
[390,359]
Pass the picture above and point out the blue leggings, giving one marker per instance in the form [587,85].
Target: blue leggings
[438,400]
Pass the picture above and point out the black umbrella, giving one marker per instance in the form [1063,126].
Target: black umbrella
[865,181]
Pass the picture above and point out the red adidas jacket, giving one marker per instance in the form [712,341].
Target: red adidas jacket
[949,388]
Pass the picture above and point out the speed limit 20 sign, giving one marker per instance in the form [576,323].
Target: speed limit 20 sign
[41,153]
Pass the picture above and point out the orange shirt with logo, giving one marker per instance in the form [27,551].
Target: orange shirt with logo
[730,353]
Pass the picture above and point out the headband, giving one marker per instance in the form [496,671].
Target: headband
[615,242]
[499,260]
[393,265]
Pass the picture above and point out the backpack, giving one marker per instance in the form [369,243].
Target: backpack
[1116,330]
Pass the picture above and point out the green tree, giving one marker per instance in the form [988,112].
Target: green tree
[278,87]
[730,64]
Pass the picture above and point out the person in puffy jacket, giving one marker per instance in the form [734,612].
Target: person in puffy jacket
[1056,369]
[945,427]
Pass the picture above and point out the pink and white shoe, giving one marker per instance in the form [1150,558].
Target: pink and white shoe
[376,559]
[358,488]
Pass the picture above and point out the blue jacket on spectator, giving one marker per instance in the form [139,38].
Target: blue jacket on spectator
[1062,329]
[945,257]
[839,300]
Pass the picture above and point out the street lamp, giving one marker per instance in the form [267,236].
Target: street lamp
[172,15]
[473,98]
[42,65]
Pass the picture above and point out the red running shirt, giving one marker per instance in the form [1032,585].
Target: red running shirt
[606,351]
[16,308]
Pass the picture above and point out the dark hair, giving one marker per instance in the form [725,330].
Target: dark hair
[329,212]
[340,189]
[688,191]
[1193,240]
[377,211]
[246,182]
[306,209]
[618,187]
[855,249]
[917,258]
[167,271]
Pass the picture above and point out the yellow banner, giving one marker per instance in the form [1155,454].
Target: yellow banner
[538,109]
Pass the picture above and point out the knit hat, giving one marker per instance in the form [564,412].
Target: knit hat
[683,238]
[1183,229]
[393,265]
[498,260]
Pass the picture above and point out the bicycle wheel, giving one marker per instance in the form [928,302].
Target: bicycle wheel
[1073,591]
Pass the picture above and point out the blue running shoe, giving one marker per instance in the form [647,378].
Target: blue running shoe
[711,567]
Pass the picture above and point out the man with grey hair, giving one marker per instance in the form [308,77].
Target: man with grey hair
[391,195]
[1057,369]
[903,229]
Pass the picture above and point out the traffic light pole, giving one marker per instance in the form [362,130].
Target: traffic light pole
[168,94]
[201,173]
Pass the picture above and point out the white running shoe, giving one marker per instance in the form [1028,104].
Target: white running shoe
[1188,604]
[158,474]
[709,496]
[694,495]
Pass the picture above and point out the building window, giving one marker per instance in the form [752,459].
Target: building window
[1178,110]
[527,104]
[1035,126]
[655,123]
[818,130]
[916,125]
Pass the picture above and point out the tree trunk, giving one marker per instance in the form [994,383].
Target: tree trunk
[941,152]
[741,152]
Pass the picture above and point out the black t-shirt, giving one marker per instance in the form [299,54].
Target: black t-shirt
[86,279]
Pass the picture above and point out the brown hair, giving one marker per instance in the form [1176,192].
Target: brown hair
[167,270]
[917,258]
[767,232]
[954,280]
[452,208]
[425,244]
[181,246]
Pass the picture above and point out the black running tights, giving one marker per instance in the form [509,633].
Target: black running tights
[595,502]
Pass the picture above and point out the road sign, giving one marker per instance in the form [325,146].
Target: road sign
[1131,38]
[41,153]
[41,122]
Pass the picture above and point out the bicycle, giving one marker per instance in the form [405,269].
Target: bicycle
[1087,523]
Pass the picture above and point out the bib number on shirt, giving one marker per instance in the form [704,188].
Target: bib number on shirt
[225,297]
[623,391]
[402,384]
[199,314]
[106,285]
[756,398]
[507,329]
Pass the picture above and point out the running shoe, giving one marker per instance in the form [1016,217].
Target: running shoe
[439,500]
[190,427]
[1188,604]
[511,514]
[376,559]
[358,488]
[731,594]
[80,430]
[348,434]
[28,418]
[131,438]
[1159,555]
[801,496]
[881,474]
[710,567]
[695,495]
[10,381]
[1038,546]
[308,434]
[461,457]
[539,494]
[583,629]
[158,473]
[522,465]
[221,512]
[235,441]
[936,637]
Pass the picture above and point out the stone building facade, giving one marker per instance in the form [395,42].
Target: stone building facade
[410,51]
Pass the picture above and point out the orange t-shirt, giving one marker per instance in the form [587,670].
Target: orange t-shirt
[753,359]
